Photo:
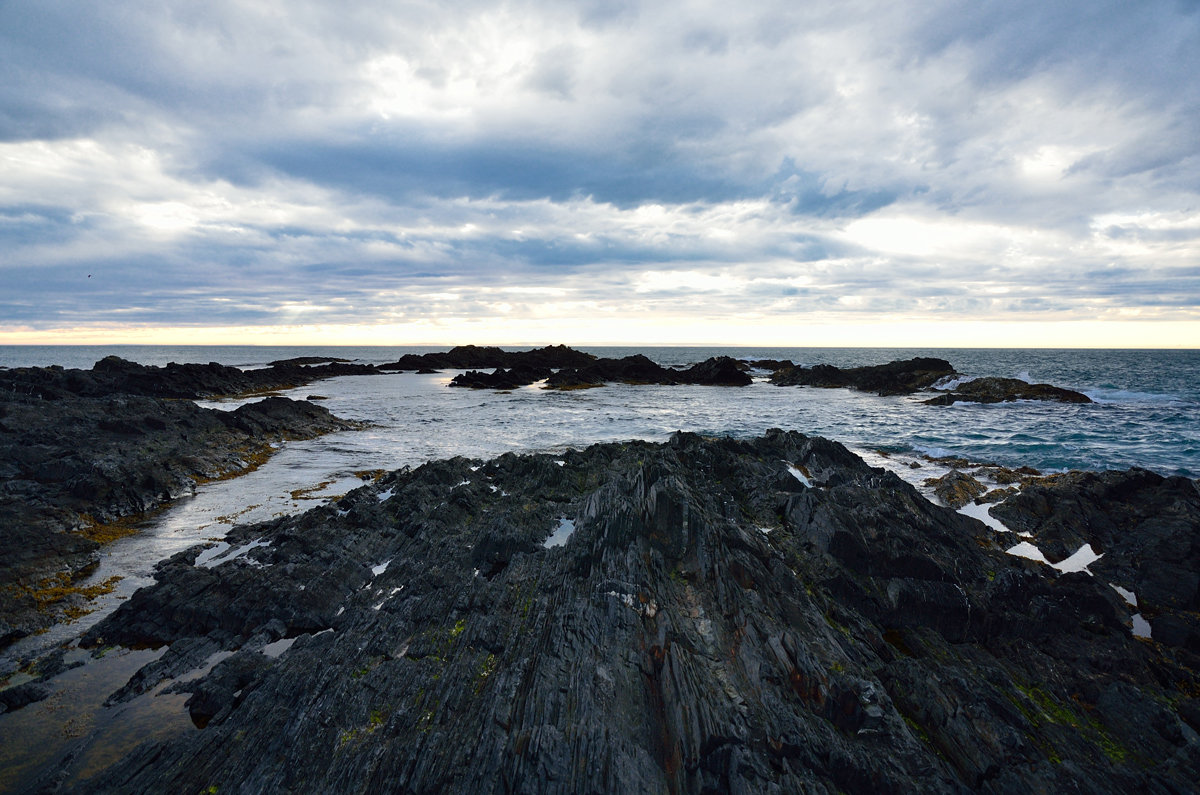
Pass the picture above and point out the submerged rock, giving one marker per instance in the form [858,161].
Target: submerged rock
[764,615]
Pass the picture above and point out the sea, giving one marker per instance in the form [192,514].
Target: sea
[1146,413]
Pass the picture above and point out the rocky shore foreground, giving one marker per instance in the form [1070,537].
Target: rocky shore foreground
[84,453]
[704,615]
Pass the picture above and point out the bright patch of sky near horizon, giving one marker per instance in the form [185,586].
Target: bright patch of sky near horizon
[600,172]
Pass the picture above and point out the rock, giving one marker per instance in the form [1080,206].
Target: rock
[306,360]
[473,357]
[84,462]
[717,371]
[637,369]
[998,390]
[711,623]
[517,377]
[1146,526]
[893,378]
[956,488]
[14,698]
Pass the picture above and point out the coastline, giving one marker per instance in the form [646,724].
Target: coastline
[243,560]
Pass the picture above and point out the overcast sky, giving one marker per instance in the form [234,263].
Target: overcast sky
[860,172]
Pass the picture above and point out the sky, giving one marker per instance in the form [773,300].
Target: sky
[940,173]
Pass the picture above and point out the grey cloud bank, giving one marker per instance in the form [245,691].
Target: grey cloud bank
[309,164]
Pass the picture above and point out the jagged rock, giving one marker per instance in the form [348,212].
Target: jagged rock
[956,488]
[473,357]
[717,371]
[78,463]
[998,390]
[637,369]
[1147,528]
[515,378]
[893,378]
[763,615]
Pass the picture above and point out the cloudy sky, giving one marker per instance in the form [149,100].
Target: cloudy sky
[899,172]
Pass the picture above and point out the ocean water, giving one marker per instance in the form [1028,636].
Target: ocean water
[1147,410]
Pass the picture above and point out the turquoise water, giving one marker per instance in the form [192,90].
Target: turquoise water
[1147,410]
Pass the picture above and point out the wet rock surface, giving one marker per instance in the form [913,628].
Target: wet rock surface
[1002,390]
[766,615]
[894,378]
[78,457]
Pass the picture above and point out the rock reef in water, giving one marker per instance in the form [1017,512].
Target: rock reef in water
[894,378]
[114,375]
[474,357]
[82,452]
[1002,390]
[716,615]
[637,369]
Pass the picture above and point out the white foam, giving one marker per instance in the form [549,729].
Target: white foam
[560,534]
[953,381]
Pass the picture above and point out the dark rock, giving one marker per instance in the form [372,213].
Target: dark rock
[13,698]
[956,488]
[637,369]
[306,360]
[473,357]
[515,378]
[717,371]
[999,390]
[82,466]
[893,378]
[1147,527]
[713,623]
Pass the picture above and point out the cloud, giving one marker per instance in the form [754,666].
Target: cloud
[254,163]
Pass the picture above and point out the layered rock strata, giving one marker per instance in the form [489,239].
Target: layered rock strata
[706,615]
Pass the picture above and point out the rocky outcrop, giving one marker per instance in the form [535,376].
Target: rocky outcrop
[515,378]
[637,369]
[956,488]
[705,615]
[1002,390]
[464,357]
[75,469]
[1145,526]
[113,375]
[894,378]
